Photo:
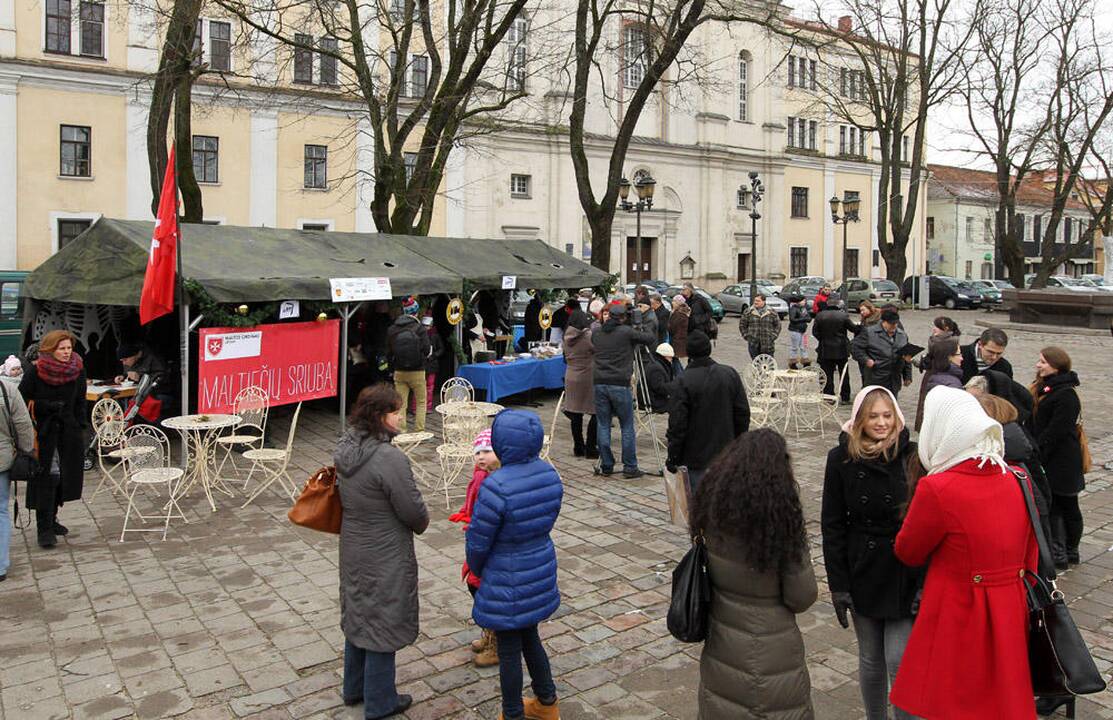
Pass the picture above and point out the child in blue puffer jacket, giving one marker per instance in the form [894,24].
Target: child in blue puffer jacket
[509,546]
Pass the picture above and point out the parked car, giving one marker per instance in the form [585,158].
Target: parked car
[736,298]
[717,310]
[1002,284]
[809,287]
[1096,279]
[11,312]
[1062,282]
[947,291]
[875,290]
[1094,285]
[766,286]
[990,293]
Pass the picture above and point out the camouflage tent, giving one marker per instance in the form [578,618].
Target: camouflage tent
[105,264]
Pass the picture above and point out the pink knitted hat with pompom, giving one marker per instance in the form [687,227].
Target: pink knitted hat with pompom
[482,442]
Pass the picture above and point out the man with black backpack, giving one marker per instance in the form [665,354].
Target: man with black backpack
[407,348]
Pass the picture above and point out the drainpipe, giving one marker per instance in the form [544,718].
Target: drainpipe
[955,273]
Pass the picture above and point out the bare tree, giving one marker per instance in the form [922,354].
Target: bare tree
[892,62]
[656,60]
[1031,53]
[447,71]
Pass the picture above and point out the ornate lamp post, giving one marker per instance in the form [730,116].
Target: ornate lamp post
[850,214]
[751,196]
[644,187]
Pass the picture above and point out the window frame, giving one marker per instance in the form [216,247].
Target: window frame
[798,203]
[517,36]
[791,131]
[634,63]
[303,59]
[328,70]
[65,21]
[417,61]
[225,42]
[85,224]
[795,253]
[202,177]
[743,88]
[409,164]
[83,22]
[929,227]
[521,194]
[63,142]
[318,163]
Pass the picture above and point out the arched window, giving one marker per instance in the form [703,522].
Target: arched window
[516,61]
[744,60]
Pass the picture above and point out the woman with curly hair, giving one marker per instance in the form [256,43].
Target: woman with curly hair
[747,508]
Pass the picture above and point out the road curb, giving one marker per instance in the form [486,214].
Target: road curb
[1044,329]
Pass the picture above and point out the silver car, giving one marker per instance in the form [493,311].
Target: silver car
[736,298]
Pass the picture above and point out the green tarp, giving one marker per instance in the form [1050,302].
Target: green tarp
[105,264]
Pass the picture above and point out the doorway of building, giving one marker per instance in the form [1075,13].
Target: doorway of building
[743,267]
[638,271]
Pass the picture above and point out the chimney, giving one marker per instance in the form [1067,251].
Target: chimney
[845,24]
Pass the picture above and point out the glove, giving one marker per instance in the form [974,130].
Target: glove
[842,603]
[670,466]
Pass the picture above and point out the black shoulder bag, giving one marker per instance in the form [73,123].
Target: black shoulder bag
[1058,659]
[687,619]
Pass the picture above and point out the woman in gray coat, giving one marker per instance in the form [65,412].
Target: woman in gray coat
[383,509]
[579,389]
[13,417]
[748,510]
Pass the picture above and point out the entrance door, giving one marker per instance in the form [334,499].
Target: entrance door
[634,272]
[743,267]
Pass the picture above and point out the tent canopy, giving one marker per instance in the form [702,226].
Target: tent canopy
[105,265]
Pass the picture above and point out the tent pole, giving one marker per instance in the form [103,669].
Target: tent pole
[346,311]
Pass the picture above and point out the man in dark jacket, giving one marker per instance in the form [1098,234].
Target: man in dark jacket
[832,347]
[533,331]
[877,349]
[760,326]
[986,354]
[662,312]
[701,310]
[708,411]
[407,347]
[612,370]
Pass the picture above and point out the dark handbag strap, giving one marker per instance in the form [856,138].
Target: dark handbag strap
[1050,590]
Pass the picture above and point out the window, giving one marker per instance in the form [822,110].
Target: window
[843,72]
[220,46]
[791,71]
[519,186]
[206,165]
[315,226]
[1067,230]
[792,132]
[76,151]
[316,167]
[969,229]
[799,202]
[813,130]
[58,26]
[862,142]
[877,258]
[636,49]
[842,139]
[851,263]
[743,88]
[198,44]
[812,80]
[740,198]
[328,62]
[410,161]
[969,269]
[398,10]
[1022,231]
[904,149]
[798,261]
[802,134]
[419,75]
[987,271]
[931,228]
[570,248]
[303,59]
[70,229]
[798,72]
[1036,229]
[92,29]
[516,62]
[987,230]
[852,140]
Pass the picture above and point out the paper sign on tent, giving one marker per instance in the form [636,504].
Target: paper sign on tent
[357,289]
[509,282]
[232,346]
[289,309]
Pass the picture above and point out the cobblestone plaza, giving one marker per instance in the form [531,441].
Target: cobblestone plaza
[236,614]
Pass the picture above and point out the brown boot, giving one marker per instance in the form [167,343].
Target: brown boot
[489,656]
[792,364]
[535,710]
[480,643]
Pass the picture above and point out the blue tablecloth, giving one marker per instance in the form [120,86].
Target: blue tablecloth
[519,376]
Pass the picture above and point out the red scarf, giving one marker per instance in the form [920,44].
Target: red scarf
[55,372]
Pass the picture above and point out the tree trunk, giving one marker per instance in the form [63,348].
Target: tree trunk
[193,212]
[896,264]
[600,225]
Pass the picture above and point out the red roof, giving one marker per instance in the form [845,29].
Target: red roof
[949,182]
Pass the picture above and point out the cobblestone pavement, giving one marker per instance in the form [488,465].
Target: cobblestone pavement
[236,613]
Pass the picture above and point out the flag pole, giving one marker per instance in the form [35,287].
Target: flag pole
[183,304]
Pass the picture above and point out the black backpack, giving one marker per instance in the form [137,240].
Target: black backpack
[407,350]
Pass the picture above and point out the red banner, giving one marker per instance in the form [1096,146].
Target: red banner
[291,361]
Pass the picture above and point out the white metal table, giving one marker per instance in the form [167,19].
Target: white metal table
[199,433]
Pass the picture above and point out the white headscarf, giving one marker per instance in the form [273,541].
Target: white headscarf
[956,429]
[860,398]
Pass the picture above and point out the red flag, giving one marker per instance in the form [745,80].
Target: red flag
[158,284]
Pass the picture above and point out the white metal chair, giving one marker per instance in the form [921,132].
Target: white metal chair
[766,408]
[457,389]
[547,445]
[806,402]
[251,404]
[272,462]
[454,460]
[148,466]
[108,427]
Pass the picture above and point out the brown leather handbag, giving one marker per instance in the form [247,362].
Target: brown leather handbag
[318,506]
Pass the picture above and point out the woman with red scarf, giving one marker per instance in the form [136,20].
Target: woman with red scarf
[56,391]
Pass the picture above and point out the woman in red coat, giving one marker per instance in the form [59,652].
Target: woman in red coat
[968,654]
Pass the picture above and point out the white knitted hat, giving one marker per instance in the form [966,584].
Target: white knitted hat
[956,429]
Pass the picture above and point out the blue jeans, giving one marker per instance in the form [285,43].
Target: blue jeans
[5,520]
[370,675]
[881,644]
[610,401]
[513,645]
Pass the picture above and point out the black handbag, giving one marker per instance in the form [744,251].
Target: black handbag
[691,595]
[1060,663]
[25,466]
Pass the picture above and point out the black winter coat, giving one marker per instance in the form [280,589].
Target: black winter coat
[709,409]
[970,363]
[701,314]
[59,415]
[1055,427]
[614,350]
[860,518]
[1021,450]
[830,331]
[658,380]
[663,314]
[798,317]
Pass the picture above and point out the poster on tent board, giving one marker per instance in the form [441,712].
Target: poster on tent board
[291,361]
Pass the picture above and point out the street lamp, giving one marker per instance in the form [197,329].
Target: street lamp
[643,186]
[750,197]
[850,214]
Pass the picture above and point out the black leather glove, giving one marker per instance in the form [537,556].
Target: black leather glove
[842,603]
